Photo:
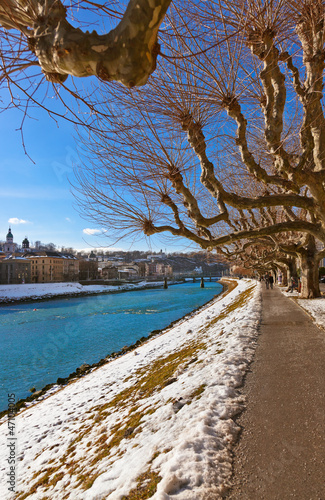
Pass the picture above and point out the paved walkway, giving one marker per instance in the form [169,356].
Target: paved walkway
[281,451]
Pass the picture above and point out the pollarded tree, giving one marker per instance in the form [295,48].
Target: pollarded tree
[44,41]
[220,139]
[308,255]
[38,33]
[136,175]
[288,251]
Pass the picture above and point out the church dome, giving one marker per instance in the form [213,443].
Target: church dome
[25,242]
[9,235]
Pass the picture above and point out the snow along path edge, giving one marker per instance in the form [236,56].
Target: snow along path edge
[315,308]
[159,419]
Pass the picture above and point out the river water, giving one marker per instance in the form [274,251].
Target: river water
[42,341]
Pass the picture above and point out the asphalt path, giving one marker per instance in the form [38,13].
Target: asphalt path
[281,451]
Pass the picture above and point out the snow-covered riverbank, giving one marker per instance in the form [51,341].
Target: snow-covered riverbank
[154,423]
[36,291]
[159,418]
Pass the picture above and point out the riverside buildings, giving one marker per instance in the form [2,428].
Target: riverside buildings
[43,264]
[15,270]
[35,266]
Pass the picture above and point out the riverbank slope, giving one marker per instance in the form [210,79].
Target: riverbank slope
[156,422]
[30,292]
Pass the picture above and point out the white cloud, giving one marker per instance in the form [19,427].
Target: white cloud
[68,219]
[14,220]
[91,231]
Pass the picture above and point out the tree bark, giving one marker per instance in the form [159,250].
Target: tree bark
[309,273]
[291,269]
[284,276]
[126,54]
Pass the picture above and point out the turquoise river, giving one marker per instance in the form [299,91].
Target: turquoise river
[41,341]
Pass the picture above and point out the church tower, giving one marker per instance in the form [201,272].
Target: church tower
[9,246]
[9,238]
[25,245]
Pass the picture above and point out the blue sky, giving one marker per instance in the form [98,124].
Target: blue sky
[36,198]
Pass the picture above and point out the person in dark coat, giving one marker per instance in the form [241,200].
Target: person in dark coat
[271,280]
[292,285]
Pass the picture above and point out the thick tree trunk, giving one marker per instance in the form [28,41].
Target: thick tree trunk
[291,269]
[309,274]
[284,278]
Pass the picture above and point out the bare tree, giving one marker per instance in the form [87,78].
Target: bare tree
[288,252]
[222,137]
[308,255]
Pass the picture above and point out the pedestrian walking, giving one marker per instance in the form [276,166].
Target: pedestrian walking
[271,280]
[292,285]
[267,280]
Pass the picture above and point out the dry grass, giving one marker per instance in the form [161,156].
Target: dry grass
[148,380]
[44,481]
[146,486]
[195,394]
[239,302]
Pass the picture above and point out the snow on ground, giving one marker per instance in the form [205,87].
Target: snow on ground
[157,420]
[314,307]
[45,290]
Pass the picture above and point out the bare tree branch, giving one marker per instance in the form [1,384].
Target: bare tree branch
[126,54]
